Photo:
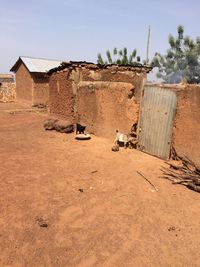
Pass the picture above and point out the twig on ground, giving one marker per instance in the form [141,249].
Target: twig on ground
[94,171]
[147,180]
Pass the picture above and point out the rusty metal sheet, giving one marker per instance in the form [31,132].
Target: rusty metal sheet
[158,110]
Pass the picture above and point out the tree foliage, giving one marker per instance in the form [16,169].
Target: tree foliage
[182,60]
[119,57]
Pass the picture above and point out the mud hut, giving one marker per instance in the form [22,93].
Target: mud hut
[104,98]
[32,83]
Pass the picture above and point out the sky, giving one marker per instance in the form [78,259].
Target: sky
[80,29]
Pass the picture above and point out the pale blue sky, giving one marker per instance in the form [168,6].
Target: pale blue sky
[79,29]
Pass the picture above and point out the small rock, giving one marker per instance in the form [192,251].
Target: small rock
[64,127]
[41,222]
[49,124]
[115,148]
[81,190]
[171,228]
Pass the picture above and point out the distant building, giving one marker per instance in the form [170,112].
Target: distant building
[6,78]
[32,81]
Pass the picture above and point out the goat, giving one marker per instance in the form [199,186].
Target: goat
[121,139]
[125,139]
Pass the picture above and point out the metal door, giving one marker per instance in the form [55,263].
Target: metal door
[158,110]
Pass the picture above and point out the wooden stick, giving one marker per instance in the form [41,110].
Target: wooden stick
[170,179]
[147,180]
[180,182]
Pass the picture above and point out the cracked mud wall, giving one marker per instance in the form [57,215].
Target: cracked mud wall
[105,107]
[98,98]
[186,132]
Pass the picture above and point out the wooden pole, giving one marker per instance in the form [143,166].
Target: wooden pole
[148,41]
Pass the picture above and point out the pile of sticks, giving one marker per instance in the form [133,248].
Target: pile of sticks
[182,171]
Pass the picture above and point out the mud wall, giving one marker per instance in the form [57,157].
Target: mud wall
[116,74]
[24,84]
[186,133]
[7,91]
[103,99]
[61,97]
[105,107]
[40,90]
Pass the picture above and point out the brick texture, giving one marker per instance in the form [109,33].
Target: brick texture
[24,84]
[40,89]
[7,92]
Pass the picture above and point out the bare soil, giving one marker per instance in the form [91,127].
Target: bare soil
[65,202]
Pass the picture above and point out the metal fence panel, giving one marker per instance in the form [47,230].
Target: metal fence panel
[157,116]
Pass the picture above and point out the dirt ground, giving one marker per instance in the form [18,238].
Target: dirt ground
[116,219]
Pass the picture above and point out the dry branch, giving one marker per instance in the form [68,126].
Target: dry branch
[184,173]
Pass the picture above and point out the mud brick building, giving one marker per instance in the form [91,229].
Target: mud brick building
[32,83]
[7,88]
[104,98]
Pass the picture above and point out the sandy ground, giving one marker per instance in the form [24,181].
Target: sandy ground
[116,219]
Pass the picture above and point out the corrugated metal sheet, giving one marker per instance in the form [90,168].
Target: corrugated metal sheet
[157,117]
[37,64]
[40,65]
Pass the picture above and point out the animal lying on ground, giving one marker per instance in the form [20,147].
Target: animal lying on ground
[80,129]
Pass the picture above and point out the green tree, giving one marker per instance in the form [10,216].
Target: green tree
[182,60]
[120,57]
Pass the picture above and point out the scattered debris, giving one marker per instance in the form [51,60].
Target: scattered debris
[182,171]
[174,229]
[147,180]
[171,228]
[81,190]
[94,171]
[40,106]
[41,222]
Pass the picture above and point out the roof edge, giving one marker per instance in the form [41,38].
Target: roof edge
[90,65]
[22,59]
[16,65]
